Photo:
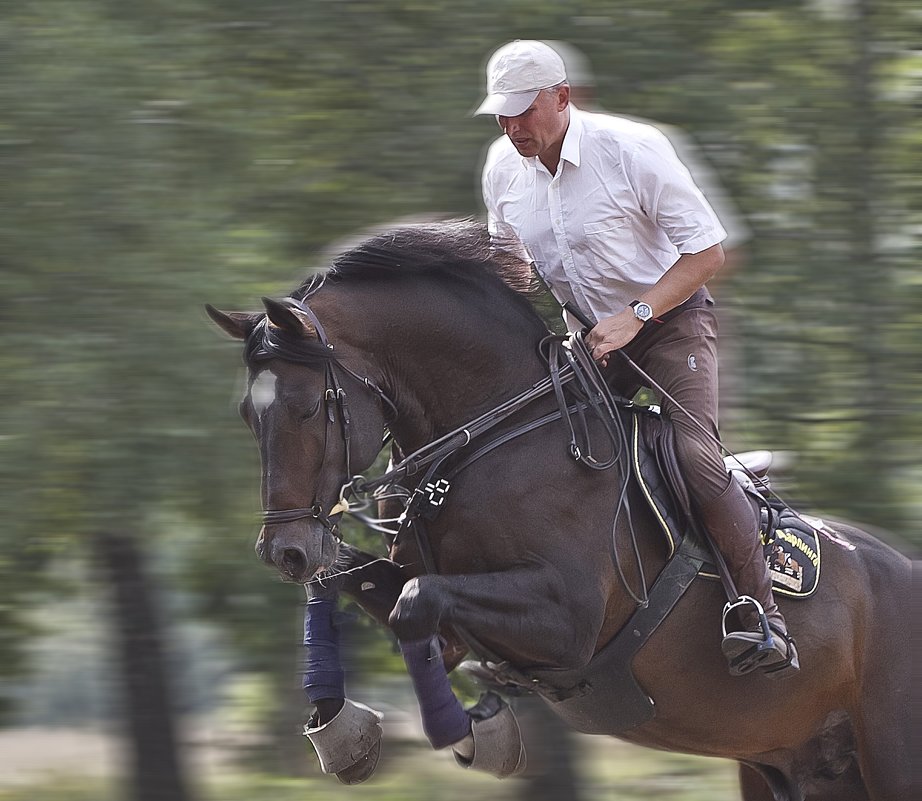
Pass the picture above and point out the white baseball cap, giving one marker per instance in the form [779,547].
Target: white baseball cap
[516,73]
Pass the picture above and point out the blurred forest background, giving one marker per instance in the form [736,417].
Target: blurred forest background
[158,155]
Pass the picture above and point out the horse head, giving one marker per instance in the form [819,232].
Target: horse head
[431,313]
[302,402]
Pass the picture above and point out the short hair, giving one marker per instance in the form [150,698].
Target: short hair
[555,87]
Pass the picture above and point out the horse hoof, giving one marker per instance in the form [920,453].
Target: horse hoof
[362,769]
[498,746]
[349,744]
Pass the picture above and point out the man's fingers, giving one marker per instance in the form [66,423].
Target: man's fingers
[601,352]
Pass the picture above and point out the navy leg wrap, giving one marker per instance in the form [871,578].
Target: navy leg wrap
[323,674]
[444,720]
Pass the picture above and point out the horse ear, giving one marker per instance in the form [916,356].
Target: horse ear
[283,316]
[239,325]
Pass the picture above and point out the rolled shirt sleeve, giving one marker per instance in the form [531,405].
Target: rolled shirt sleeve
[669,197]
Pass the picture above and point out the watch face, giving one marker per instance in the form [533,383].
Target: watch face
[642,311]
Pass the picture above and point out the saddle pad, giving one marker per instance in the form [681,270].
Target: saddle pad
[792,553]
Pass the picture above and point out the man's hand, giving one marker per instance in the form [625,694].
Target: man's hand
[611,333]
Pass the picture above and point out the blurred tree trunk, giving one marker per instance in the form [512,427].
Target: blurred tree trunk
[873,291]
[550,747]
[156,771]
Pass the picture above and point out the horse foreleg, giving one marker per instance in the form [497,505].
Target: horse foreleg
[372,582]
[485,737]
[526,610]
[375,585]
[529,612]
[345,735]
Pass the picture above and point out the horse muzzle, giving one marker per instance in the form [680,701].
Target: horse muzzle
[297,550]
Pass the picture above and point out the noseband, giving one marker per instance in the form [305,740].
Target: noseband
[273,345]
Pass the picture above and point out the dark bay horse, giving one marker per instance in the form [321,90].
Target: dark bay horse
[423,329]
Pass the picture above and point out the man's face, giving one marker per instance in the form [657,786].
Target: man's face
[542,126]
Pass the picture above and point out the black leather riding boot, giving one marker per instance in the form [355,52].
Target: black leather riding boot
[732,525]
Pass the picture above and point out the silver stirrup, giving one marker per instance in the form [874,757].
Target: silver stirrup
[746,600]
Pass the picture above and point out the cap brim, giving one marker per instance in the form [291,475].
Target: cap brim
[507,105]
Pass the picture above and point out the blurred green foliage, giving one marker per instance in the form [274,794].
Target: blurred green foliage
[156,156]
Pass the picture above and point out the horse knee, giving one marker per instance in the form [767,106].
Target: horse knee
[418,610]
[373,583]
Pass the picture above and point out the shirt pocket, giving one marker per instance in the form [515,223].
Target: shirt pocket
[610,242]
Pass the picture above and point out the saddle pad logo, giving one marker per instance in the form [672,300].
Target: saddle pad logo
[793,558]
[692,362]
[785,569]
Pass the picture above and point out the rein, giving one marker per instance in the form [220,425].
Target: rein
[568,361]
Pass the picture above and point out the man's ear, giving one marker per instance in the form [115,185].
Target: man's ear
[239,325]
[563,97]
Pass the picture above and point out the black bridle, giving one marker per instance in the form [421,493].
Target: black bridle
[270,342]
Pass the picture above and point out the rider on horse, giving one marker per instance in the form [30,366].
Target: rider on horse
[617,228]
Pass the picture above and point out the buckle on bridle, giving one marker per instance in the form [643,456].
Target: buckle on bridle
[354,485]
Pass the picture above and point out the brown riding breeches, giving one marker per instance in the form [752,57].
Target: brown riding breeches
[680,354]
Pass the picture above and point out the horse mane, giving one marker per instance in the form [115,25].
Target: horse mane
[459,250]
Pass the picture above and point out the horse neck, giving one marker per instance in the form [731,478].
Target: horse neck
[445,363]
[449,381]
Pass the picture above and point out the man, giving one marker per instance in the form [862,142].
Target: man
[616,226]
[581,79]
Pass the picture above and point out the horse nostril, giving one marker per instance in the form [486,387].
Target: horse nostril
[294,562]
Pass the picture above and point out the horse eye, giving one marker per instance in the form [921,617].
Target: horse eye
[311,413]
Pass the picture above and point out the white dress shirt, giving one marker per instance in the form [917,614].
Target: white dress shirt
[617,215]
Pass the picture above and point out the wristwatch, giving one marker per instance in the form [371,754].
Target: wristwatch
[642,311]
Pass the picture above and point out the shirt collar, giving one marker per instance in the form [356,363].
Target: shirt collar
[569,151]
